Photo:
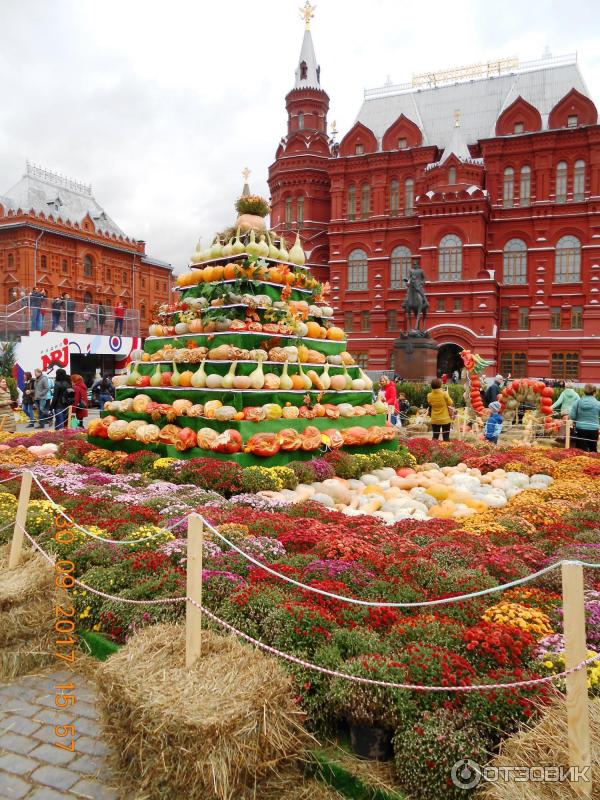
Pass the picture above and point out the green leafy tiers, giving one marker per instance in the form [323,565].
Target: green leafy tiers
[282,352]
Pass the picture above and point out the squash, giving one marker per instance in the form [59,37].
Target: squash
[338,383]
[214,381]
[147,433]
[185,378]
[225,413]
[315,380]
[305,378]
[168,434]
[285,382]
[140,402]
[346,358]
[196,326]
[181,407]
[227,380]
[198,380]
[358,385]
[242,382]
[326,377]
[117,430]
[292,352]
[205,438]
[272,411]
[197,410]
[181,328]
[336,334]
[346,410]
[314,357]
[131,427]
[257,377]
[136,355]
[291,412]
[272,381]
[211,407]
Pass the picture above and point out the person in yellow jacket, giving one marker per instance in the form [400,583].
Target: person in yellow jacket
[440,403]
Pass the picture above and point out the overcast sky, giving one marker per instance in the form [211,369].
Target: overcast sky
[160,104]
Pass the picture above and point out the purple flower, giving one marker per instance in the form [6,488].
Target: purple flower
[323,469]
[211,574]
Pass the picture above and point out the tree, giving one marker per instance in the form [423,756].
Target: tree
[7,364]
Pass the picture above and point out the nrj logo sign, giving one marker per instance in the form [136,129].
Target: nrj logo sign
[57,357]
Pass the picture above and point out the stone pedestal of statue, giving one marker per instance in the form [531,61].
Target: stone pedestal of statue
[415,358]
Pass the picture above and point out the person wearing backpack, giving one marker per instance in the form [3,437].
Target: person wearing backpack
[106,391]
[63,396]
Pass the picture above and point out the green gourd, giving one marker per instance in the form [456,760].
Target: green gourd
[227,249]
[133,376]
[155,379]
[238,246]
[257,377]
[273,251]
[216,251]
[347,378]
[283,253]
[305,378]
[325,377]
[285,382]
[227,381]
[252,246]
[175,375]
[262,248]
[296,254]
[366,379]
[198,380]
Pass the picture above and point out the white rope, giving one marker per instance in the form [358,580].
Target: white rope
[89,533]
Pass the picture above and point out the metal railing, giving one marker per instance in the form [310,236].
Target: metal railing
[22,316]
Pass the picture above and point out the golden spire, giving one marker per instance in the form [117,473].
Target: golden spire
[307,13]
[246,174]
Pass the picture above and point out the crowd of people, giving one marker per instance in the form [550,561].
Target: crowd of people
[63,310]
[581,412]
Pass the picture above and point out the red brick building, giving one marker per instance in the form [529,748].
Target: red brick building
[54,234]
[489,176]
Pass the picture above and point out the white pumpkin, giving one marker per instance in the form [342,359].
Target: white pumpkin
[182,328]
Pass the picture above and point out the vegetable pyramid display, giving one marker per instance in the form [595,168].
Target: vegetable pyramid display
[246,365]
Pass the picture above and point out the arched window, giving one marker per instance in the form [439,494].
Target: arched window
[10,261]
[352,202]
[579,181]
[365,200]
[143,310]
[300,211]
[87,266]
[509,188]
[303,71]
[394,197]
[450,258]
[452,176]
[43,262]
[515,262]
[357,270]
[87,297]
[288,212]
[561,182]
[399,267]
[567,261]
[409,196]
[525,187]
[300,121]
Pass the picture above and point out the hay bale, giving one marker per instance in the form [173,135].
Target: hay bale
[218,730]
[28,596]
[543,744]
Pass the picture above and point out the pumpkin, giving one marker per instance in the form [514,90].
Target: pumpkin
[338,383]
[298,383]
[272,411]
[211,407]
[272,381]
[197,410]
[336,334]
[196,326]
[291,412]
[290,439]
[225,413]
[354,436]
[136,355]
[347,359]
[346,410]
[168,434]
[313,330]
[314,357]
[311,438]
[205,438]
[336,440]
[185,439]
[214,381]
[147,433]
[181,407]
[254,413]
[95,425]
[140,402]
[242,382]
[131,427]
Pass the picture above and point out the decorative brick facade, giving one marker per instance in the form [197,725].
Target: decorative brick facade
[54,234]
[492,184]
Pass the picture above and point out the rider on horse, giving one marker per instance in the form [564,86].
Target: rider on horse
[416,300]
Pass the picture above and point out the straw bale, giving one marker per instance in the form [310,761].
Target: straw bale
[28,597]
[217,731]
[541,745]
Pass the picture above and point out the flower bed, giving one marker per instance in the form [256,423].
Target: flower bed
[496,638]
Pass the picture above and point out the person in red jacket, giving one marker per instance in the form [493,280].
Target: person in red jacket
[80,401]
[119,312]
[391,398]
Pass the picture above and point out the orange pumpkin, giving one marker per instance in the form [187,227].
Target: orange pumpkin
[217,273]
[313,330]
[195,326]
[297,382]
[185,378]
[207,274]
[230,272]
[275,275]
[336,334]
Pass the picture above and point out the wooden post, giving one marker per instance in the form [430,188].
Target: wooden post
[69,416]
[16,546]
[2,422]
[568,424]
[193,615]
[578,720]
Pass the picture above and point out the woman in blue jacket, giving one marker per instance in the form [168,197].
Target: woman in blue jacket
[586,415]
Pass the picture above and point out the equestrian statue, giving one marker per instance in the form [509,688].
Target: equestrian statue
[416,303]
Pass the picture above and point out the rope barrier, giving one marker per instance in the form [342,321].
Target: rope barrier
[373,603]
[89,533]
[323,670]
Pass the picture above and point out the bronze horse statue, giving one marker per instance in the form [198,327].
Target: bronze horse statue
[415,303]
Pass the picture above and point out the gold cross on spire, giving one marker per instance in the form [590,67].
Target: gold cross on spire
[246,174]
[457,118]
[307,13]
